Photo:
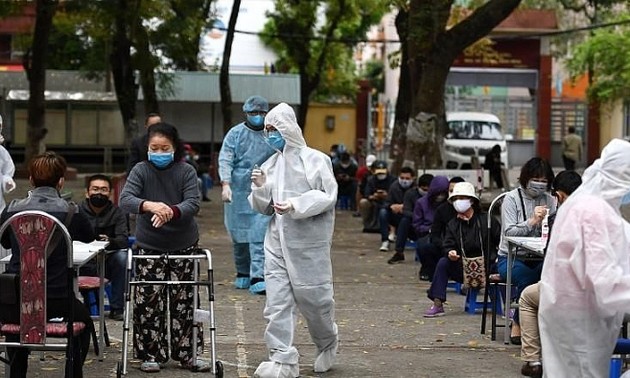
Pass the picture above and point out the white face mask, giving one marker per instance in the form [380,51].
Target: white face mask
[462,205]
[381,176]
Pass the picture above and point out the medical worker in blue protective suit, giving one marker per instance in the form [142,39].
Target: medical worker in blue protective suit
[244,146]
[298,187]
[585,284]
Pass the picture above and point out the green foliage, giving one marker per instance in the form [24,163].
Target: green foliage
[606,55]
[374,72]
[316,39]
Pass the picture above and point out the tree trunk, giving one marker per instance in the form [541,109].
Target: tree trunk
[146,67]
[224,76]
[306,89]
[122,68]
[403,105]
[35,66]
[432,48]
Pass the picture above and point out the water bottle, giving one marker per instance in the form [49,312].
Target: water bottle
[544,236]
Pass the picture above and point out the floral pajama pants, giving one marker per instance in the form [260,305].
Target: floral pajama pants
[150,333]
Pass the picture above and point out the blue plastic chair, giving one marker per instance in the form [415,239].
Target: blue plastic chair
[616,362]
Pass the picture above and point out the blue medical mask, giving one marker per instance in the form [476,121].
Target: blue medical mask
[536,189]
[256,120]
[161,159]
[276,140]
[404,183]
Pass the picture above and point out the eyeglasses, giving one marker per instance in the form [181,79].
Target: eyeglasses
[99,189]
[255,113]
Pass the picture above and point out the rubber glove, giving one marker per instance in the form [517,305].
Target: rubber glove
[226,193]
[258,177]
[283,207]
[9,184]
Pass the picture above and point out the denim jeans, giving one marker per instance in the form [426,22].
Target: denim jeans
[385,219]
[115,271]
[522,276]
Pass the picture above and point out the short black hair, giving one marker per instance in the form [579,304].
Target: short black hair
[567,181]
[407,169]
[98,176]
[456,179]
[571,129]
[536,167]
[425,179]
[169,132]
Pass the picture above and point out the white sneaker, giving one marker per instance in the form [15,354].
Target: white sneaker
[392,237]
[384,246]
[272,369]
[325,360]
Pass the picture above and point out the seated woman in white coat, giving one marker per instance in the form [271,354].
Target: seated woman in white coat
[585,284]
[297,186]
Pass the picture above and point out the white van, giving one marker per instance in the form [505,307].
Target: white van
[471,134]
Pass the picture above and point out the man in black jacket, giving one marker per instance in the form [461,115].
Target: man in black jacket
[375,195]
[140,144]
[391,212]
[404,230]
[109,224]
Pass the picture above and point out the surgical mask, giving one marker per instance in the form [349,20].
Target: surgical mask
[535,189]
[381,176]
[422,191]
[98,200]
[256,121]
[345,165]
[404,183]
[276,140]
[440,197]
[161,159]
[462,205]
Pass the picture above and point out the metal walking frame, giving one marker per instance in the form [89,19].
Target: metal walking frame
[201,254]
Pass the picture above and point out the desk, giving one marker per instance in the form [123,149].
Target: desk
[81,254]
[536,247]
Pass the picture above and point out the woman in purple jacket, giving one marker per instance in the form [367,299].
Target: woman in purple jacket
[423,212]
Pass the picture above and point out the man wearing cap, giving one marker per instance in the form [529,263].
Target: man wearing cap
[465,235]
[374,196]
[244,146]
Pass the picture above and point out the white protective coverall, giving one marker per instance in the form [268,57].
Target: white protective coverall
[298,268]
[7,170]
[585,284]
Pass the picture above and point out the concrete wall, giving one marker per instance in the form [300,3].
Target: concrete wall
[320,136]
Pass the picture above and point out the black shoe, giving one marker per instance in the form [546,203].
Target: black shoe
[515,340]
[423,276]
[116,315]
[529,370]
[397,258]
[206,199]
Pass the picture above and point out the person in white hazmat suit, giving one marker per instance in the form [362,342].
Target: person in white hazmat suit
[243,147]
[585,284]
[7,170]
[298,187]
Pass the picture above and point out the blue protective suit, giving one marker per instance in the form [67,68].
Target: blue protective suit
[242,149]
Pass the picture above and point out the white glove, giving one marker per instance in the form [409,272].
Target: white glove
[283,207]
[258,177]
[226,193]
[9,185]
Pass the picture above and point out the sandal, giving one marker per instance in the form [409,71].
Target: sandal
[150,367]
[201,366]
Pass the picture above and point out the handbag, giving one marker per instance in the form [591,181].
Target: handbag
[474,267]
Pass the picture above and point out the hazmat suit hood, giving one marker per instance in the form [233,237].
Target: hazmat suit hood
[608,177]
[585,280]
[282,117]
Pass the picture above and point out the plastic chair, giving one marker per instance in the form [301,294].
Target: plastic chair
[616,362]
[33,231]
[494,204]
[89,288]
[471,304]
[344,202]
